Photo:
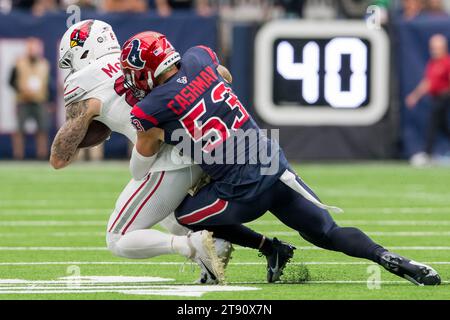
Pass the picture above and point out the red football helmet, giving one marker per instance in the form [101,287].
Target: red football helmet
[144,57]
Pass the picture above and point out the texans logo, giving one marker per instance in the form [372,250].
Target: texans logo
[134,56]
[80,35]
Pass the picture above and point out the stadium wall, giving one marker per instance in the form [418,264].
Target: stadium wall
[183,28]
[411,43]
[312,142]
[399,132]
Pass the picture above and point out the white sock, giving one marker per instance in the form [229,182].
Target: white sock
[171,224]
[180,246]
[141,244]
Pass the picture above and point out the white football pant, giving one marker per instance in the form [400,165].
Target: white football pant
[143,204]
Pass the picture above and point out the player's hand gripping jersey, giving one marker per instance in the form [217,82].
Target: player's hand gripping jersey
[103,80]
[197,105]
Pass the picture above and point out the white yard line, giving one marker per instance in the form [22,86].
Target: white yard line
[162,263]
[75,223]
[374,233]
[443,248]
[370,222]
[405,282]
[48,248]
[398,222]
[56,212]
[53,202]
[33,210]
[407,210]
[350,193]
[55,234]
[51,223]
[53,248]
[274,234]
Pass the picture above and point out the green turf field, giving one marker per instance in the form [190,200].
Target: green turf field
[52,238]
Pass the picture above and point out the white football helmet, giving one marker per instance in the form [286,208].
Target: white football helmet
[85,42]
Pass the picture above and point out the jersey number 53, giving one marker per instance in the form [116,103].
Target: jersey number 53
[214,126]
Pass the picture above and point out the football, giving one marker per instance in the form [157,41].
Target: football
[96,134]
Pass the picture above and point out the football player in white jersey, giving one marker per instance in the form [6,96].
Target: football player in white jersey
[94,90]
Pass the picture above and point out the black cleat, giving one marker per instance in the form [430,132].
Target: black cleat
[417,273]
[277,260]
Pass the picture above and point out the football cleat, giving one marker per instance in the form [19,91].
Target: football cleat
[277,260]
[224,250]
[205,255]
[417,273]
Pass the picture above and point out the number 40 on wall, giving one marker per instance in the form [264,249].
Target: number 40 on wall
[309,70]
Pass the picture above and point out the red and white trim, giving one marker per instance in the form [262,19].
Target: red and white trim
[204,213]
[144,202]
[66,93]
[128,202]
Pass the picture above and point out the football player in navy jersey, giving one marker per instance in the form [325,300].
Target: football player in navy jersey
[190,98]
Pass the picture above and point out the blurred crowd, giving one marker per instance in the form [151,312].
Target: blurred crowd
[241,9]
[30,86]
[262,9]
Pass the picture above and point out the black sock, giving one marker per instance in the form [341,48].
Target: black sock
[355,243]
[238,234]
[267,247]
[378,253]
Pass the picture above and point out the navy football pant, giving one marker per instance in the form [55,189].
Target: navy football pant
[224,218]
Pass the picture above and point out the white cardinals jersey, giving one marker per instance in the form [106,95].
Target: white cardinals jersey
[103,80]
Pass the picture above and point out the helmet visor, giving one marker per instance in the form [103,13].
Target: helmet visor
[66,61]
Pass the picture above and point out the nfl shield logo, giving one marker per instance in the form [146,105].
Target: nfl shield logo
[182,80]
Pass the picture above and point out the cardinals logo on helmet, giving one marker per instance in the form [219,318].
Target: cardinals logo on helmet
[134,55]
[80,35]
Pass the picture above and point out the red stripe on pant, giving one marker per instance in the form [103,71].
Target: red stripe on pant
[129,200]
[145,201]
[204,213]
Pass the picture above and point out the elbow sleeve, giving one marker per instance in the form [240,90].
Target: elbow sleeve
[140,165]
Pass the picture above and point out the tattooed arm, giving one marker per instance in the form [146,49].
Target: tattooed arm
[78,117]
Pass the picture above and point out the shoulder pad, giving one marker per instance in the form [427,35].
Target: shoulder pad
[76,86]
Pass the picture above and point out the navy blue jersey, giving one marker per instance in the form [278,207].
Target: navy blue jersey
[203,118]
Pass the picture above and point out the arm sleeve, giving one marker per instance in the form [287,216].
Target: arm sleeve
[140,165]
